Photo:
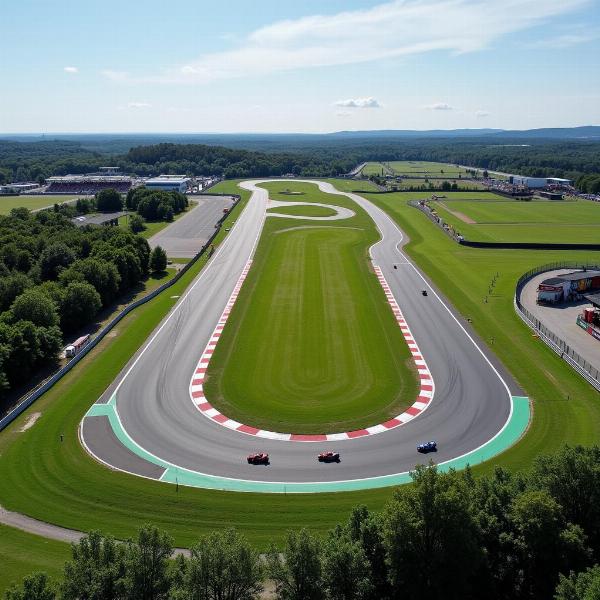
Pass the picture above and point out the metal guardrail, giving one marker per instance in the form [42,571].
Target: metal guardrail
[34,395]
[588,371]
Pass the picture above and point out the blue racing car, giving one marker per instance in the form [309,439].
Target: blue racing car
[427,447]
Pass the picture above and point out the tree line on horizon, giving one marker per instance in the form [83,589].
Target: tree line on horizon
[524,536]
[35,161]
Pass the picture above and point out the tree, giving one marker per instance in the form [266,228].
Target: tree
[579,586]
[12,286]
[146,565]
[572,477]
[102,274]
[346,574]
[136,223]
[35,587]
[223,566]
[80,304]
[366,529]
[54,259]
[430,536]
[546,544]
[158,260]
[33,305]
[95,570]
[297,574]
[109,201]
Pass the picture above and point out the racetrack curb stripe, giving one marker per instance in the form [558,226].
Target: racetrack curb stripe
[424,398]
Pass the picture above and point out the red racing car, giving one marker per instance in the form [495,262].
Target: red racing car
[329,456]
[260,458]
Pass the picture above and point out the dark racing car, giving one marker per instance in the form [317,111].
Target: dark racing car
[329,456]
[427,447]
[260,458]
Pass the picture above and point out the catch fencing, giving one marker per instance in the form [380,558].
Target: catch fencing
[582,366]
[42,389]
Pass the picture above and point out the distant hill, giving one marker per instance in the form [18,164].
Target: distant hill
[586,132]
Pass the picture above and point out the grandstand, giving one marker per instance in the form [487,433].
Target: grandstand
[90,183]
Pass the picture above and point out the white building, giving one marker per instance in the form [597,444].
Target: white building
[178,183]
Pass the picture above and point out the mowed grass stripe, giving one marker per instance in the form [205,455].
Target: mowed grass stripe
[311,345]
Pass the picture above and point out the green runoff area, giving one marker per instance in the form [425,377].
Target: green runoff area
[59,483]
[32,202]
[501,219]
[311,345]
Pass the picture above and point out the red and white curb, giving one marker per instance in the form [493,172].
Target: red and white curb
[199,399]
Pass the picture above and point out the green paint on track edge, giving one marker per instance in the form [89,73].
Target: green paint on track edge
[509,435]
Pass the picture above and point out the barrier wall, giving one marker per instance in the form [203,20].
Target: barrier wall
[31,398]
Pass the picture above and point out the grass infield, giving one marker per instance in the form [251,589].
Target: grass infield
[7,203]
[61,484]
[311,345]
[505,220]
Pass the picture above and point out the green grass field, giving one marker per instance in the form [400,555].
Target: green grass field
[349,185]
[311,345]
[373,168]
[60,483]
[516,221]
[22,553]
[422,168]
[433,181]
[7,203]
[304,210]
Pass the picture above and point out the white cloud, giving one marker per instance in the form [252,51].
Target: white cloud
[440,106]
[359,103]
[71,70]
[138,105]
[565,40]
[343,113]
[391,29]
[480,114]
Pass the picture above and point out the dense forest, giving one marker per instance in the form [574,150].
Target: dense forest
[54,278]
[20,161]
[523,536]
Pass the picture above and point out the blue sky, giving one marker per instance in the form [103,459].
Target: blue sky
[279,66]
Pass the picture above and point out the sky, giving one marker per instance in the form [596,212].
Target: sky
[193,66]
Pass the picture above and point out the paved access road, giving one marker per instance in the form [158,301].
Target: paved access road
[185,237]
[471,404]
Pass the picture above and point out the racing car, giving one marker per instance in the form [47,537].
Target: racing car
[329,456]
[260,458]
[427,447]
[424,292]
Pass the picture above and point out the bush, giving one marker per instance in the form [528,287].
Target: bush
[158,260]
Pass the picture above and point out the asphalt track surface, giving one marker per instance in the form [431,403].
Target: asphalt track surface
[185,237]
[472,401]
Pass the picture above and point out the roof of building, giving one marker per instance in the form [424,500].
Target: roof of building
[552,281]
[166,180]
[593,298]
[577,275]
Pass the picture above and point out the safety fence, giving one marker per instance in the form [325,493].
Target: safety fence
[582,366]
[42,389]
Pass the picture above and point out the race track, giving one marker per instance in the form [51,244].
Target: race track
[146,424]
